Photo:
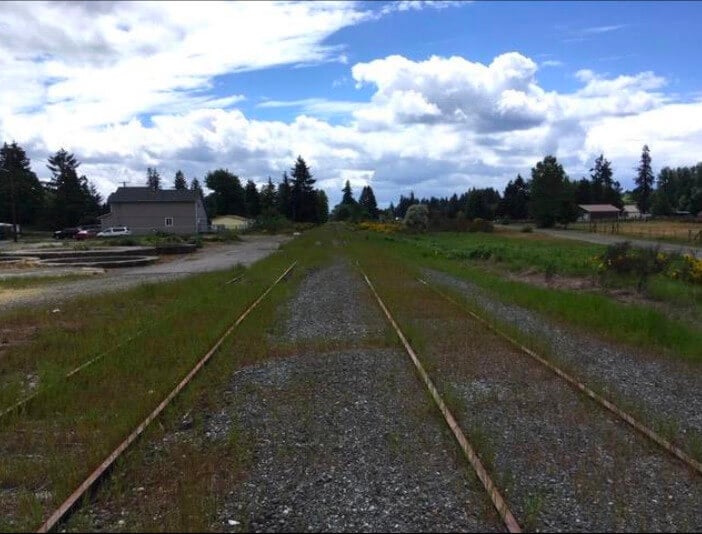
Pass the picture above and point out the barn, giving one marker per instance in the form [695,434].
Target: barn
[598,212]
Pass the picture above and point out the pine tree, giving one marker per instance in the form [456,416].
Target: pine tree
[644,182]
[604,190]
[283,197]
[347,197]
[19,184]
[302,197]
[252,200]
[368,203]
[268,197]
[322,205]
[195,186]
[71,195]
[179,181]
[153,179]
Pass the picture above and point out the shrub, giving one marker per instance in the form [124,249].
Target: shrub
[417,218]
[527,229]
[480,225]
[622,258]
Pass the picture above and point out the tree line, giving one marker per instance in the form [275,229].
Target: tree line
[551,197]
[69,199]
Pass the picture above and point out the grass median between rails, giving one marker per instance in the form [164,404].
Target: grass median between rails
[638,325]
[65,432]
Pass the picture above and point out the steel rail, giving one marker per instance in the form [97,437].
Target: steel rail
[99,472]
[497,500]
[609,405]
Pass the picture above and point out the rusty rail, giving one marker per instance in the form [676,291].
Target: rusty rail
[98,472]
[624,416]
[495,496]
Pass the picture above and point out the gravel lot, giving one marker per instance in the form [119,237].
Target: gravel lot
[344,440]
[564,463]
[212,258]
[660,388]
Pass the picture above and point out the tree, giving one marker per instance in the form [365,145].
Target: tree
[195,186]
[604,189]
[417,218]
[153,179]
[302,197]
[368,203]
[284,200]
[322,206]
[252,200]
[347,197]
[21,193]
[179,182]
[268,197]
[481,203]
[227,197]
[515,200]
[644,182]
[72,201]
[548,192]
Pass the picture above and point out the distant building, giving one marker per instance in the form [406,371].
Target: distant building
[595,212]
[231,222]
[147,211]
[631,211]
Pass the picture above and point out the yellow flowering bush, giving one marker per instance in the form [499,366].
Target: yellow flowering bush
[380,227]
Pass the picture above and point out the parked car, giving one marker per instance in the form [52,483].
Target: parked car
[66,233]
[115,231]
[86,233]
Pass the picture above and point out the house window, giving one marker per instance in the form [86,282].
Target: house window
[169,221]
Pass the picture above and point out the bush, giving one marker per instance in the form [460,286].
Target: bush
[417,218]
[527,229]
[480,225]
[622,258]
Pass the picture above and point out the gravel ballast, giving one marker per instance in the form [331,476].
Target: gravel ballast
[564,463]
[344,440]
[661,389]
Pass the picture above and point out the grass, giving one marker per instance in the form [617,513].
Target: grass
[37,281]
[689,232]
[74,423]
[638,325]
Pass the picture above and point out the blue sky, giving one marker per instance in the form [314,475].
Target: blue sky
[434,97]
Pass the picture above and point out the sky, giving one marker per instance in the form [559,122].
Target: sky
[424,96]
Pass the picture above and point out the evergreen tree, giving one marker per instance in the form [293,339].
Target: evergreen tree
[604,190]
[179,181]
[322,206]
[515,200]
[252,200]
[347,197]
[268,197]
[19,184]
[195,186]
[549,192]
[644,182]
[302,197]
[71,194]
[583,192]
[368,202]
[284,197]
[153,179]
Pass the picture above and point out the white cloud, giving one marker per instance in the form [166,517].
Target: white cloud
[123,93]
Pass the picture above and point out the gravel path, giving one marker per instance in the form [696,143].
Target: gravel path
[607,239]
[344,440]
[564,463]
[212,258]
[660,388]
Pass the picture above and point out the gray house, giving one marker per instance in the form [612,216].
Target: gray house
[146,211]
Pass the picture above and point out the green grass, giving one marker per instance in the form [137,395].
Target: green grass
[638,325]
[74,423]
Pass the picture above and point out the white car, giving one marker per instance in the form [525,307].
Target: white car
[115,231]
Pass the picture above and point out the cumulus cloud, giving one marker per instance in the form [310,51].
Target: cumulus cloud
[123,93]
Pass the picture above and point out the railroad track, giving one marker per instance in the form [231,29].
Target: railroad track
[102,469]
[498,501]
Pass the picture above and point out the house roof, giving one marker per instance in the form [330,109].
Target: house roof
[598,208]
[146,194]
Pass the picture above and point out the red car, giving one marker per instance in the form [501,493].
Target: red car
[85,234]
